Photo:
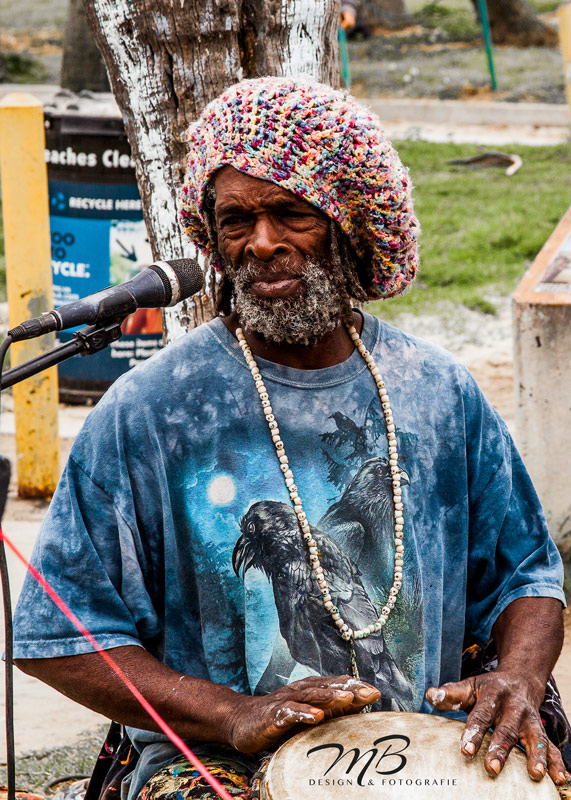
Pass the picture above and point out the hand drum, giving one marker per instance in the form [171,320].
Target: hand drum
[393,756]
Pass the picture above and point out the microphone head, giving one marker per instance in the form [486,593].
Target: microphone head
[181,278]
[189,274]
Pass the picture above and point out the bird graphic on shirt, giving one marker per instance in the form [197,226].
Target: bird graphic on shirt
[348,432]
[362,521]
[271,542]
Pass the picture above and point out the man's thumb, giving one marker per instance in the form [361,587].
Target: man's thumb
[458,696]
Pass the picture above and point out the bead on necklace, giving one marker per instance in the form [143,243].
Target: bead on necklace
[347,633]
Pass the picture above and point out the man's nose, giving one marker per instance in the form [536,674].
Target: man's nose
[265,241]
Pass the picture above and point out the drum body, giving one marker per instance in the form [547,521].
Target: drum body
[393,756]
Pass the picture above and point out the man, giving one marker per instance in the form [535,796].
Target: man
[256,509]
[348,15]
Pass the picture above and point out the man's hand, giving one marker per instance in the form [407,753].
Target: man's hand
[259,723]
[506,704]
[528,635]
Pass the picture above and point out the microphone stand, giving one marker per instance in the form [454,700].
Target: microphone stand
[85,342]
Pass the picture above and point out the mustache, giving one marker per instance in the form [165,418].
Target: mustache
[254,270]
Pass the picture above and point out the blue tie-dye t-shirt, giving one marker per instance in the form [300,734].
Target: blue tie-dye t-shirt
[172,526]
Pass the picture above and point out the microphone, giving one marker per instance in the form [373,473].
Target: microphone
[164,283]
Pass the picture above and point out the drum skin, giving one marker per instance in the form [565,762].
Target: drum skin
[393,756]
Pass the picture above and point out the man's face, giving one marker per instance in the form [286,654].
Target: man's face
[277,253]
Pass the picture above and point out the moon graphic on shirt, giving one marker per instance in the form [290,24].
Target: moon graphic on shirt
[221,490]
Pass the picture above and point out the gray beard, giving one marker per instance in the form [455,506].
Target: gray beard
[304,318]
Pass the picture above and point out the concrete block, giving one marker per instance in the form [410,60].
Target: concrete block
[542,377]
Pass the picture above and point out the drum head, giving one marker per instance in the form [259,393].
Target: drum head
[393,756]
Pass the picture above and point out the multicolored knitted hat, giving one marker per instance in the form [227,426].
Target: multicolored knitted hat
[324,147]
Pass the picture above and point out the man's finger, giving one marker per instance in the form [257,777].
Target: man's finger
[504,739]
[323,697]
[480,719]
[290,714]
[317,680]
[453,696]
[336,694]
[555,765]
[537,748]
[347,683]
[363,693]
[365,697]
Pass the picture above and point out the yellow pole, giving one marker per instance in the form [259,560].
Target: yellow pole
[25,211]
[564,15]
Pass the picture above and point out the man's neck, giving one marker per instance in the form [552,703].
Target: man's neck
[331,349]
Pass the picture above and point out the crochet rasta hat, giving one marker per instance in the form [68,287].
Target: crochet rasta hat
[323,146]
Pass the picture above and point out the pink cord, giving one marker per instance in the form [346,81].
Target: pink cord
[164,726]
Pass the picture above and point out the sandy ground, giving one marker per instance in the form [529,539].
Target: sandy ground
[482,342]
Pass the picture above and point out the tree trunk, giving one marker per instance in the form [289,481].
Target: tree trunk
[166,60]
[82,66]
[515,22]
[388,14]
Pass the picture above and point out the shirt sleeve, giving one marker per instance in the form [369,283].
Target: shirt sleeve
[511,554]
[93,559]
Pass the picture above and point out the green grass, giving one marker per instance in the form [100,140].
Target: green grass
[480,229]
[459,23]
[20,68]
[543,7]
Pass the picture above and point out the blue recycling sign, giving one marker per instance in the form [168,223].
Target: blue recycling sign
[99,238]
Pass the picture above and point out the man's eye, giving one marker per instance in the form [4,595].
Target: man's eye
[232,221]
[297,218]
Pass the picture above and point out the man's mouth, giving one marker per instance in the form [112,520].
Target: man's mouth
[276,287]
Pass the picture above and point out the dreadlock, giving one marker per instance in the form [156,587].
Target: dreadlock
[220,288]
[344,264]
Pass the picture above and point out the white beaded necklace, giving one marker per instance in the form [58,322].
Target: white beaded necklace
[345,631]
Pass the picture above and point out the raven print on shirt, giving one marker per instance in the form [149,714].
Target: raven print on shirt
[355,538]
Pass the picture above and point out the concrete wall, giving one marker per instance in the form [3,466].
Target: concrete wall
[542,378]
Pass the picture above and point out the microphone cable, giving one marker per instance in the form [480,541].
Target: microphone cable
[7,603]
